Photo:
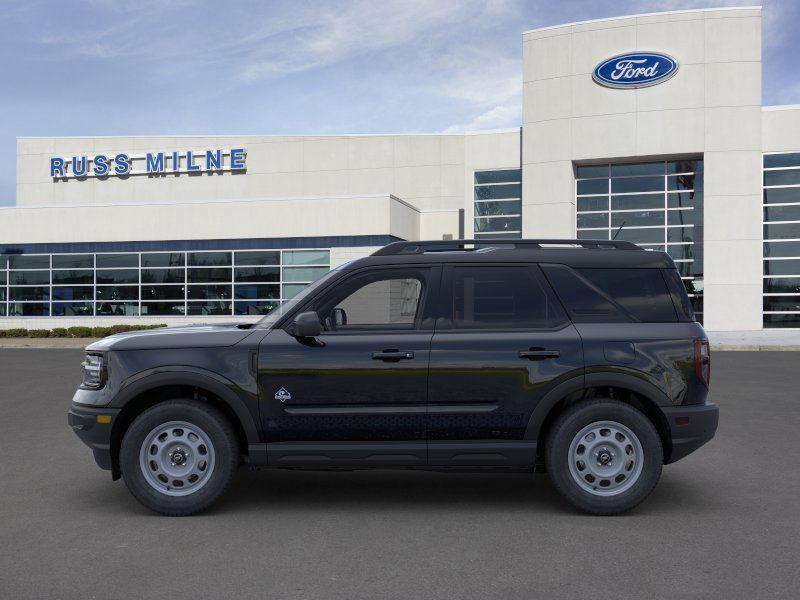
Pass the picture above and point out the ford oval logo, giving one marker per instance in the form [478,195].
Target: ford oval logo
[635,70]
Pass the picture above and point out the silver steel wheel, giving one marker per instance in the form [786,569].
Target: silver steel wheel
[605,458]
[177,458]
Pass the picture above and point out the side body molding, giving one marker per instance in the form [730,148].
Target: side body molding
[225,389]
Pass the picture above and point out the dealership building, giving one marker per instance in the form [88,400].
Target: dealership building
[645,128]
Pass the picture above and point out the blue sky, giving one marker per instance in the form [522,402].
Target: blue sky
[152,67]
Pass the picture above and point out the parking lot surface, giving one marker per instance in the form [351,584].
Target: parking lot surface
[722,523]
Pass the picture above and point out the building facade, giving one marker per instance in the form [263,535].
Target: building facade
[667,145]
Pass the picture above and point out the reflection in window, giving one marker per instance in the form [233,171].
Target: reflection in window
[66,277]
[130,284]
[116,261]
[656,204]
[781,246]
[69,292]
[497,204]
[163,259]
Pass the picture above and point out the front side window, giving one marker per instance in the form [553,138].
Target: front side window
[387,300]
[499,297]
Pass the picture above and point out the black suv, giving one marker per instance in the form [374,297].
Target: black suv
[581,357]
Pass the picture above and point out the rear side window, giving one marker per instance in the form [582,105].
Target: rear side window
[642,292]
[613,295]
[501,297]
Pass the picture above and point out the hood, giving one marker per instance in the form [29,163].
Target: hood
[193,336]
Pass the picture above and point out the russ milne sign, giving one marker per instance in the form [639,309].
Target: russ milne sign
[151,163]
[635,70]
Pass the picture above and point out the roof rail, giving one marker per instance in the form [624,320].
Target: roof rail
[420,247]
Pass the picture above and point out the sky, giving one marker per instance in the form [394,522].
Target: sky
[155,67]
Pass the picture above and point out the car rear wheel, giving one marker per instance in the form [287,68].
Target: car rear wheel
[604,456]
[178,457]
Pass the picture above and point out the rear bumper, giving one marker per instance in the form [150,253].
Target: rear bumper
[690,427]
[94,434]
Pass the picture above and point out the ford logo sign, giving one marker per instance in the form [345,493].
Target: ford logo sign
[635,70]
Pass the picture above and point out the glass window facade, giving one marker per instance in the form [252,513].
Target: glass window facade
[781,206]
[129,284]
[498,204]
[657,205]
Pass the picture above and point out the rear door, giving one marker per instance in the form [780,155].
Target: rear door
[502,342]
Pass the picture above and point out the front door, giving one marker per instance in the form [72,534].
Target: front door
[357,393]
[502,342]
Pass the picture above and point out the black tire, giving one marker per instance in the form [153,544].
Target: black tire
[558,456]
[225,449]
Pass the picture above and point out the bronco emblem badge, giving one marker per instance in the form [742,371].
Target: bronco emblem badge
[283,395]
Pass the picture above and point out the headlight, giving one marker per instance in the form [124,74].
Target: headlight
[94,372]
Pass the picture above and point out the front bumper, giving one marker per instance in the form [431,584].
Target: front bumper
[94,432]
[690,427]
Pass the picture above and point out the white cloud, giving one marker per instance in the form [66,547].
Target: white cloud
[339,32]
[498,117]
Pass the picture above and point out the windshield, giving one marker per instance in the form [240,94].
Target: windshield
[288,306]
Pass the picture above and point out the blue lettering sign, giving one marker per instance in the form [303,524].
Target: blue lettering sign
[56,167]
[154,162]
[635,70]
[123,165]
[120,164]
[190,166]
[213,160]
[237,159]
[79,166]
[100,164]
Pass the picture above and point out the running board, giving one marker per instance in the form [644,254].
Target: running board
[434,453]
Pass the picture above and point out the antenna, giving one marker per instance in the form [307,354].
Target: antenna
[618,230]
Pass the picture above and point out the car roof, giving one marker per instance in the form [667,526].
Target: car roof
[573,253]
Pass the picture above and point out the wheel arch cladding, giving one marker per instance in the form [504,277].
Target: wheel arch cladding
[148,391]
[633,391]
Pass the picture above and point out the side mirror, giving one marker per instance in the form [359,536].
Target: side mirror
[306,325]
[339,317]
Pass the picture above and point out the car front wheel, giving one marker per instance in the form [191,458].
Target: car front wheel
[604,456]
[178,457]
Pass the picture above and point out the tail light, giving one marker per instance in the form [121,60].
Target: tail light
[702,361]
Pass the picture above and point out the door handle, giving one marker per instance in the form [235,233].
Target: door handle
[539,354]
[393,355]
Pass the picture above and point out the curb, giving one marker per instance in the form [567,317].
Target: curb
[45,343]
[754,348]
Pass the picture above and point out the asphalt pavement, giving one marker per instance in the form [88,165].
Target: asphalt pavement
[722,523]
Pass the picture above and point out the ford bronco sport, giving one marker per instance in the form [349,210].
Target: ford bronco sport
[578,357]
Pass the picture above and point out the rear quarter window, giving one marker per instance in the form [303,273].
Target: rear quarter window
[613,295]
[642,292]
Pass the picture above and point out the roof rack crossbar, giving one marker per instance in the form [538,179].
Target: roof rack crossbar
[420,247]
